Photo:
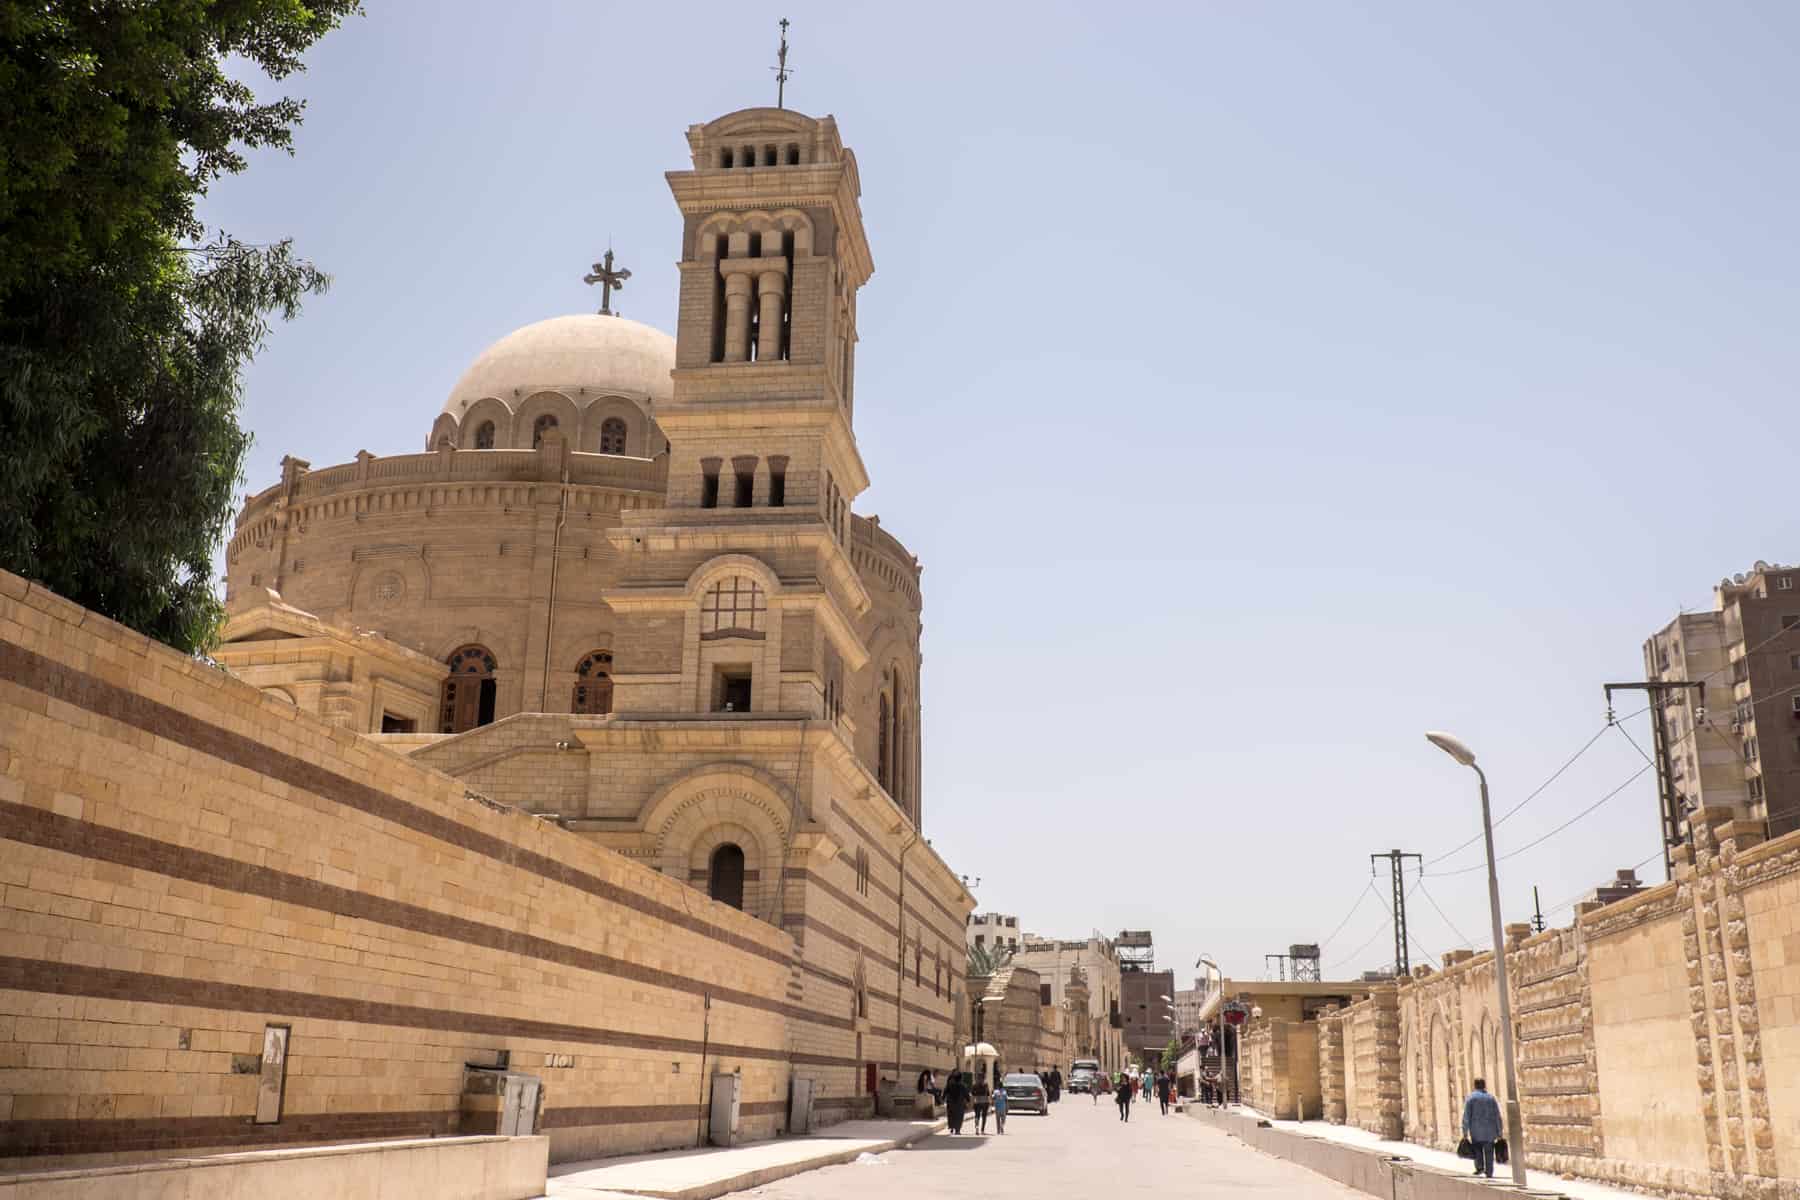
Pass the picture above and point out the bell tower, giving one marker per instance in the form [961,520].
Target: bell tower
[763,464]
[773,254]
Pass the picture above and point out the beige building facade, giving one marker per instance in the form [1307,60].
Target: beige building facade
[994,932]
[1076,969]
[623,593]
[1736,743]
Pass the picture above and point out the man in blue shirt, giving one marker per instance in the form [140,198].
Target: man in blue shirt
[1481,1125]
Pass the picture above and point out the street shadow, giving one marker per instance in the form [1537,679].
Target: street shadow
[950,1141]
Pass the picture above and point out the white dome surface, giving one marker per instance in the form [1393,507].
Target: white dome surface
[606,355]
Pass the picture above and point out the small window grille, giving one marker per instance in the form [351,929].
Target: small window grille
[612,436]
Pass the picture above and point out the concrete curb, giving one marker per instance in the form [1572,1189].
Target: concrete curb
[1392,1177]
[714,1188]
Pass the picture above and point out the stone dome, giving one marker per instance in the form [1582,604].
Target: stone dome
[604,355]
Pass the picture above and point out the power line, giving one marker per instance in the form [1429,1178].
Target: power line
[1400,924]
[1634,744]
[1360,897]
[1535,792]
[1584,891]
[1546,837]
[1369,890]
[1420,887]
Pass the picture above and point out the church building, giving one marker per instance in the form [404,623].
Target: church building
[623,587]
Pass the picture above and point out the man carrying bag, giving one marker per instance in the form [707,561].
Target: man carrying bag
[1481,1126]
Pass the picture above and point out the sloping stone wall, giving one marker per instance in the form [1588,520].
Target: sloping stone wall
[186,861]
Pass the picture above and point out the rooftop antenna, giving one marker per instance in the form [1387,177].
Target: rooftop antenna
[781,71]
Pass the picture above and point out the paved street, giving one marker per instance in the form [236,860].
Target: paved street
[1080,1150]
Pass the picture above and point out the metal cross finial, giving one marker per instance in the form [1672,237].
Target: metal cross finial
[608,279]
[782,72]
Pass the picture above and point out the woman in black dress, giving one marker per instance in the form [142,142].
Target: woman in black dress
[956,1099]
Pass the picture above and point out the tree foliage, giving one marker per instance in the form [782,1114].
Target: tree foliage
[985,960]
[123,328]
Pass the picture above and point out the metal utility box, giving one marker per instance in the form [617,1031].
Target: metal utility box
[800,1105]
[498,1101]
[723,1127]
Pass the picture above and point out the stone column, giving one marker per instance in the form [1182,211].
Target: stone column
[737,316]
[1391,1096]
[771,292]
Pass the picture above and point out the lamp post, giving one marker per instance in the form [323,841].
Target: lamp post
[1515,1132]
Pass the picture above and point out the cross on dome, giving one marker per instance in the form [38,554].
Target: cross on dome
[608,279]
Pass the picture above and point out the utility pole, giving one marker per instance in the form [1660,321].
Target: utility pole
[1669,801]
[1396,860]
[1537,919]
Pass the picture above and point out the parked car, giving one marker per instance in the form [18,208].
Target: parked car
[1025,1093]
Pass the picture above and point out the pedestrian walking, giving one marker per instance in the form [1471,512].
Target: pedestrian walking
[1000,1109]
[1101,1082]
[956,1100]
[1162,1093]
[981,1096]
[1056,1084]
[1481,1125]
[1124,1097]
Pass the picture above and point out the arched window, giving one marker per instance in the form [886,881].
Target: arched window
[593,684]
[612,436]
[484,436]
[468,694]
[734,607]
[540,427]
[884,742]
[725,875]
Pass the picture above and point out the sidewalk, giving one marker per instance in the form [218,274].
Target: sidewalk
[705,1173]
[1444,1160]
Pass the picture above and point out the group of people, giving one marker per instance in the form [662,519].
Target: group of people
[1127,1087]
[967,1093]
[964,1094]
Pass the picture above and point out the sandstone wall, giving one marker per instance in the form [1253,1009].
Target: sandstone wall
[187,861]
[1281,1068]
[1658,1038]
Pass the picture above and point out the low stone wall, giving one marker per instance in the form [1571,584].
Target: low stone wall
[471,1168]
[193,870]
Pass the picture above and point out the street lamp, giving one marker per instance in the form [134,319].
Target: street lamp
[1515,1133]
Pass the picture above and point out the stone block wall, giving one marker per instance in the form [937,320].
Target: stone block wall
[1359,1062]
[1657,1038]
[187,861]
[1281,1068]
[1331,1065]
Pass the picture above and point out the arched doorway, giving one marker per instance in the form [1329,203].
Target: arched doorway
[1445,1120]
[725,875]
[469,693]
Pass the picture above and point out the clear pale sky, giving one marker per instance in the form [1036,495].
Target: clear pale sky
[1260,385]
